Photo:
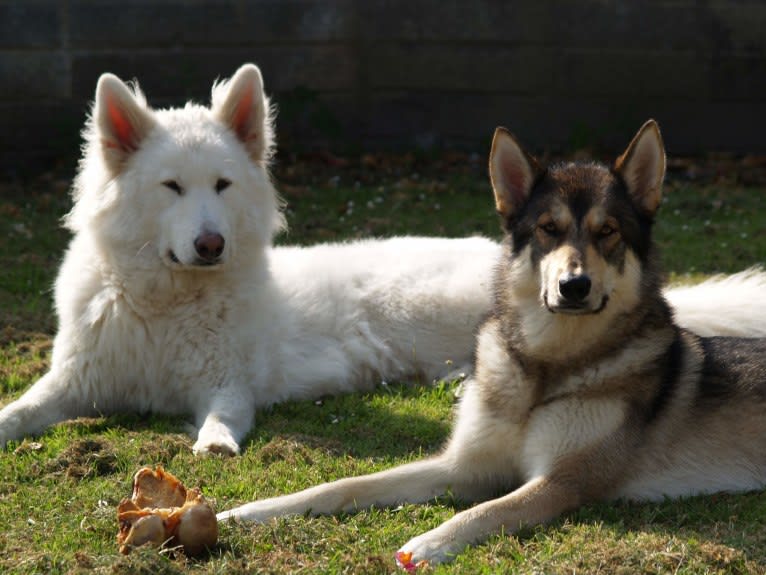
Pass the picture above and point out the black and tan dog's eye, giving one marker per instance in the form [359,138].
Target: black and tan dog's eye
[550,228]
[606,230]
[221,184]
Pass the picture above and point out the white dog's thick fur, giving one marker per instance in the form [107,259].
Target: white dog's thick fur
[170,298]
[731,305]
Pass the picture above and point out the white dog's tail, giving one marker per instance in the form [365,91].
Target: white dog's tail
[732,305]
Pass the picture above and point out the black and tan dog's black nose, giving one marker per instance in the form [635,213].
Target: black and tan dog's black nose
[574,288]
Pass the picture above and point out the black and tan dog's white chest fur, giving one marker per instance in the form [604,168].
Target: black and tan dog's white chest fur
[584,387]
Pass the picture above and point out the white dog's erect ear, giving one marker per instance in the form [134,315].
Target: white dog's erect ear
[241,104]
[122,119]
[642,167]
[512,172]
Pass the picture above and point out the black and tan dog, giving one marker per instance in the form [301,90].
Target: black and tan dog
[584,387]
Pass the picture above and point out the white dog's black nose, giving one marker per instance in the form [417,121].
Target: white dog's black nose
[209,246]
[574,288]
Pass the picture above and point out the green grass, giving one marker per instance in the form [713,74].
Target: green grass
[59,491]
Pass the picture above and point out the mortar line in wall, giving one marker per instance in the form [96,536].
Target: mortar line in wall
[400,92]
[96,51]
[598,51]
[184,49]
[535,97]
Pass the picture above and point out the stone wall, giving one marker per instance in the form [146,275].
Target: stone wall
[360,74]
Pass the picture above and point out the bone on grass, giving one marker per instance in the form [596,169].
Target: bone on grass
[163,512]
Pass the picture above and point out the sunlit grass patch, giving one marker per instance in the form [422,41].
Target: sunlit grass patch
[59,491]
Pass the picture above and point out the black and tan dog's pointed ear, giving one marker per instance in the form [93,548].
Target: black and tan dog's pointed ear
[642,167]
[512,172]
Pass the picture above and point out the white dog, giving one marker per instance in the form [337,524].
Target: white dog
[171,300]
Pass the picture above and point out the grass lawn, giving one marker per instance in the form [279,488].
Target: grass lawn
[59,491]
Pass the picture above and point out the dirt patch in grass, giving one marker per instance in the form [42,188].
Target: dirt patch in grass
[298,448]
[142,561]
[726,558]
[85,458]
[26,340]
[164,448]
[24,357]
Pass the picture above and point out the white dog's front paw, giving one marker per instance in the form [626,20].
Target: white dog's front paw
[215,441]
[5,437]
[429,548]
[216,447]
[9,429]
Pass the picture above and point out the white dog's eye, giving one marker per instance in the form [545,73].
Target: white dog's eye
[221,184]
[173,185]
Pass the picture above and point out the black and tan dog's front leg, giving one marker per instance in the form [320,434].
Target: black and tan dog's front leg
[414,482]
[537,501]
[575,468]
[410,483]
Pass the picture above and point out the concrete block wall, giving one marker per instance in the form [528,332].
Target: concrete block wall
[360,74]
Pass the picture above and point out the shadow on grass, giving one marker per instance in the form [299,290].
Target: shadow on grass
[721,530]
[382,423]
